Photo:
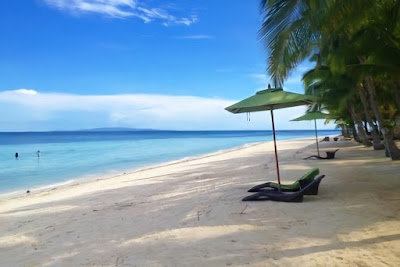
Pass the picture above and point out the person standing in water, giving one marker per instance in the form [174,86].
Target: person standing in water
[38,153]
[16,155]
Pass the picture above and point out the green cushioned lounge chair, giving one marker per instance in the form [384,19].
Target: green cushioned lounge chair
[306,179]
[276,195]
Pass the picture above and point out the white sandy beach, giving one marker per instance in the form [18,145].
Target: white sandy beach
[191,214]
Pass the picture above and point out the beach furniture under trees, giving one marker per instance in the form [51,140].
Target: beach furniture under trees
[315,115]
[304,180]
[271,99]
[276,195]
[329,155]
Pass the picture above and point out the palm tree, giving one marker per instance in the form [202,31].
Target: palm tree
[341,32]
[327,86]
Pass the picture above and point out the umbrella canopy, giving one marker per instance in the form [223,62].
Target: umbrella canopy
[315,115]
[270,99]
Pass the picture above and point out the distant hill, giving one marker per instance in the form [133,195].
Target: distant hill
[118,129]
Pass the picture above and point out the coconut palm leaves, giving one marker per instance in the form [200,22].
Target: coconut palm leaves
[356,46]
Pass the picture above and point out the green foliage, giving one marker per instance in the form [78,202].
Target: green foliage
[348,41]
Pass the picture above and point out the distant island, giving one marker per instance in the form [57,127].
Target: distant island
[119,129]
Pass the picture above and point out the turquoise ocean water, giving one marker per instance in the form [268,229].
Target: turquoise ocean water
[65,156]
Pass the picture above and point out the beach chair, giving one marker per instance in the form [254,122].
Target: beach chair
[329,155]
[304,180]
[276,195]
[326,139]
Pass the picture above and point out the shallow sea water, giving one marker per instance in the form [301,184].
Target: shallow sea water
[84,154]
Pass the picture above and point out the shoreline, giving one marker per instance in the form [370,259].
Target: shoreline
[101,176]
[97,177]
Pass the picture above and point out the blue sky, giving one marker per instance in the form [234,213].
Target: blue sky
[77,64]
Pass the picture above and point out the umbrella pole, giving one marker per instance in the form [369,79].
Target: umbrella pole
[276,153]
[316,135]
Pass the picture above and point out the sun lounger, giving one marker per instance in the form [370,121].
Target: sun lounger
[276,195]
[329,155]
[307,178]
[325,139]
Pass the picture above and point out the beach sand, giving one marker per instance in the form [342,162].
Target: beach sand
[190,214]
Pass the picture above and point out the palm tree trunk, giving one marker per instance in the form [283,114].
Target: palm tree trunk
[366,127]
[376,140]
[390,145]
[354,132]
[397,95]
[360,129]
[345,132]
[356,137]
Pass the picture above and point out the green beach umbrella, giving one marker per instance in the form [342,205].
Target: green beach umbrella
[315,115]
[271,99]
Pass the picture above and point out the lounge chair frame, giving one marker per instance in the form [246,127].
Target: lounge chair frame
[276,195]
[329,155]
[296,186]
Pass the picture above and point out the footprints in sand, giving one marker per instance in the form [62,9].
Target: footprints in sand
[289,224]
[23,223]
[121,206]
[203,212]
[116,206]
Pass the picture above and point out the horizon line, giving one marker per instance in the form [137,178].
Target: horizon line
[169,130]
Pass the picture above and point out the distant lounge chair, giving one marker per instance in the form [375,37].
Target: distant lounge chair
[325,139]
[329,155]
[304,180]
[276,195]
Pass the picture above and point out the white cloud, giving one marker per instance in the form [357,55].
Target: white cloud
[120,9]
[186,21]
[25,92]
[27,110]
